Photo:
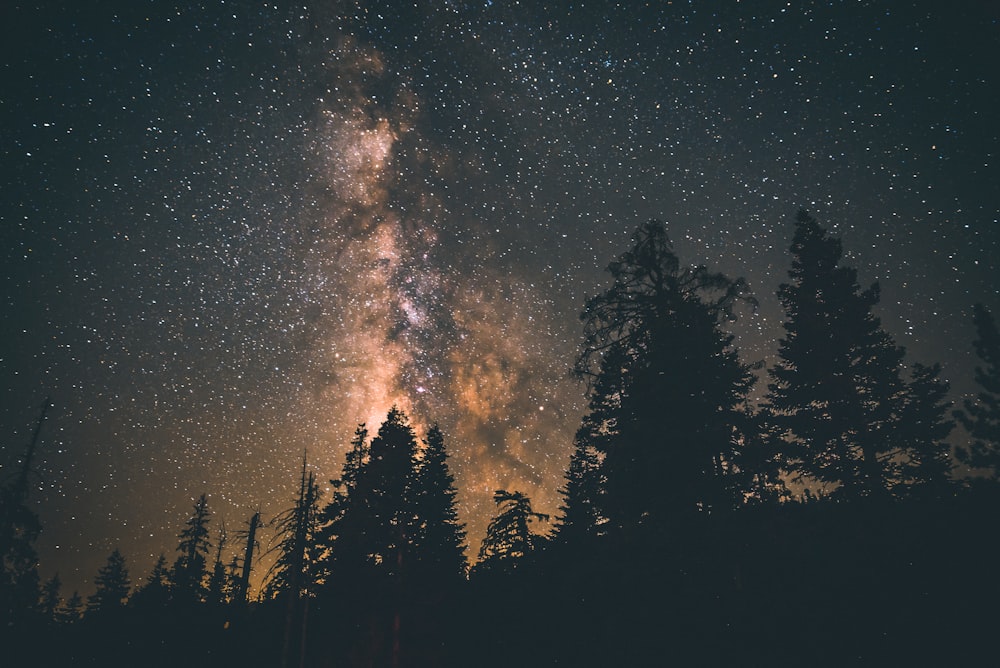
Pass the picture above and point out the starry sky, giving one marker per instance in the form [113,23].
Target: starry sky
[231,231]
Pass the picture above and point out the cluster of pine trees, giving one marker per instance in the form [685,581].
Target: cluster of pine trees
[824,522]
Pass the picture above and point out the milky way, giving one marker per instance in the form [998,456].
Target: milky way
[233,233]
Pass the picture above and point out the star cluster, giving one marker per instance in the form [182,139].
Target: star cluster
[233,232]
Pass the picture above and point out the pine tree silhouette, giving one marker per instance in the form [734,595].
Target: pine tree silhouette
[981,416]
[72,611]
[379,518]
[440,543]
[190,568]
[668,390]
[580,520]
[113,586]
[836,394]
[340,537]
[155,592]
[50,599]
[509,538]
[925,427]
[19,529]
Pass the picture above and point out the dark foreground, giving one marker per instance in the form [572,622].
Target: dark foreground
[816,584]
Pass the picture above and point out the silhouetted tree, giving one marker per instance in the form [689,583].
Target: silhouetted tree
[441,537]
[73,610]
[580,519]
[387,490]
[50,599]
[372,533]
[241,587]
[925,427]
[836,394]
[667,390]
[113,586]
[509,537]
[190,568]
[219,585]
[292,571]
[757,462]
[292,577]
[155,592]
[19,577]
[342,532]
[19,528]
[373,517]
[981,417]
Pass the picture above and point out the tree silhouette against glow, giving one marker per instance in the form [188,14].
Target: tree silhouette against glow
[981,416]
[668,391]
[836,396]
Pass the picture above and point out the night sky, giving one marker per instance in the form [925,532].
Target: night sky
[231,231]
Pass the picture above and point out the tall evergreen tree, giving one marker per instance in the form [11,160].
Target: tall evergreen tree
[155,592]
[757,465]
[981,416]
[73,610]
[836,393]
[190,568]
[372,534]
[668,390]
[925,427]
[19,529]
[441,537]
[509,537]
[50,599]
[384,496]
[580,519]
[113,586]
[342,532]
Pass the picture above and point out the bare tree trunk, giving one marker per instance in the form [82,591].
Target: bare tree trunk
[244,583]
[21,485]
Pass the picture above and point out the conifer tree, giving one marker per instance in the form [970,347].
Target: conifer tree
[925,427]
[341,533]
[72,610]
[113,586]
[50,599]
[155,592]
[19,529]
[383,505]
[373,531]
[190,568]
[582,513]
[509,537]
[580,518]
[441,537]
[981,416]
[836,394]
[218,582]
[667,387]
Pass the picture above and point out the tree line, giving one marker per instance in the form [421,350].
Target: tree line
[692,518]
